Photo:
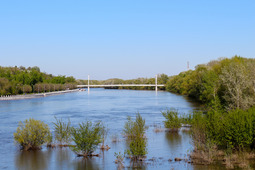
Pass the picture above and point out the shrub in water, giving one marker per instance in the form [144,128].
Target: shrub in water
[138,142]
[87,137]
[172,121]
[104,131]
[32,134]
[128,128]
[62,131]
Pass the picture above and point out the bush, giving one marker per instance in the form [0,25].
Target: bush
[87,136]
[172,120]
[135,131]
[128,128]
[62,131]
[198,129]
[32,134]
[234,130]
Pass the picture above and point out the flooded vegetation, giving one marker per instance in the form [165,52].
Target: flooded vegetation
[112,108]
[100,130]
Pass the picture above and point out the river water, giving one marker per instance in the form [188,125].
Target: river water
[112,108]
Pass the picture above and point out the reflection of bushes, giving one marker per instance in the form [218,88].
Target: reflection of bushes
[32,134]
[173,139]
[33,159]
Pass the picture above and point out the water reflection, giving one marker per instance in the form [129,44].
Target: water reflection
[85,163]
[137,165]
[33,159]
[63,156]
[174,139]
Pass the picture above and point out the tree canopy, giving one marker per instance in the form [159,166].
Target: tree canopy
[228,81]
[17,80]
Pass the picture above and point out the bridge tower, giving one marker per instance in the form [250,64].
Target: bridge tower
[88,83]
[156,83]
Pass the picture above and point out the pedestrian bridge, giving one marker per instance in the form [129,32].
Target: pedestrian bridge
[122,85]
[156,85]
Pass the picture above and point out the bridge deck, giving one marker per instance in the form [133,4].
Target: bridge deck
[122,85]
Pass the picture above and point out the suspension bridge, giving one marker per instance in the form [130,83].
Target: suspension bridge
[156,85]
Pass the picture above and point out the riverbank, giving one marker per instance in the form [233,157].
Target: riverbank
[35,95]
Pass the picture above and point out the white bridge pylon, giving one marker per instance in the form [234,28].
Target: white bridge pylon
[156,85]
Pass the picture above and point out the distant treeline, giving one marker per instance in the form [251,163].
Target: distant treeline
[162,79]
[18,80]
[227,83]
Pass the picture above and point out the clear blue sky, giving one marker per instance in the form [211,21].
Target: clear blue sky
[123,38]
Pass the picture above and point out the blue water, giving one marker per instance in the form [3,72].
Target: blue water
[109,106]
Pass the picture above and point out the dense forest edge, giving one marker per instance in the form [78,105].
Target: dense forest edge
[229,83]
[20,80]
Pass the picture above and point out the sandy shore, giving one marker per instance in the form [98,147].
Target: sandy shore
[35,95]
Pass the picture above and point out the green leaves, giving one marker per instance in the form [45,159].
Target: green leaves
[233,130]
[87,136]
[135,132]
[14,80]
[62,131]
[32,134]
[229,81]
[172,120]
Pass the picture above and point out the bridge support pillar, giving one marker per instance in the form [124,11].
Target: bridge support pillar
[88,83]
[156,83]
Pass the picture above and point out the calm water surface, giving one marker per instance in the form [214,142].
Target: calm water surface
[110,106]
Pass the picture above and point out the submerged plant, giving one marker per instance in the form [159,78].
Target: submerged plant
[62,131]
[32,134]
[135,132]
[87,137]
[173,122]
[104,132]
[119,160]
[128,128]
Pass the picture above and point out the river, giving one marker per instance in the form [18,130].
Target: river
[111,107]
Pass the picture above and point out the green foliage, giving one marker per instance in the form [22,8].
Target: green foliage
[119,157]
[233,130]
[14,80]
[87,137]
[239,129]
[172,120]
[135,131]
[32,134]
[62,131]
[128,128]
[229,81]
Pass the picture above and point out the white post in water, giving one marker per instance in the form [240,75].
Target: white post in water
[88,83]
[156,83]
